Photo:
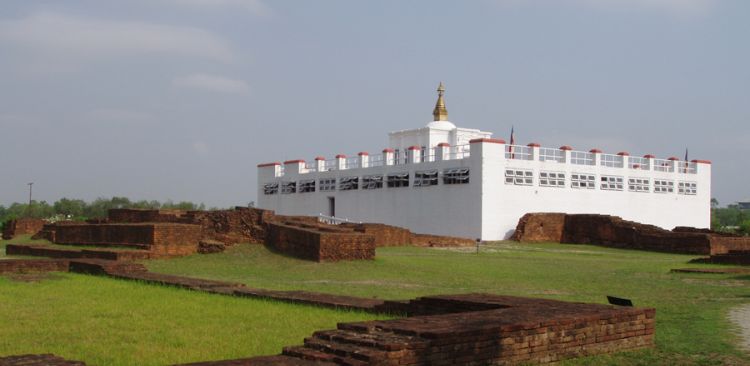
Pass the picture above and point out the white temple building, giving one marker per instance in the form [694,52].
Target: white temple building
[446,180]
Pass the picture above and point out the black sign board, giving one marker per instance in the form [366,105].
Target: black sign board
[619,301]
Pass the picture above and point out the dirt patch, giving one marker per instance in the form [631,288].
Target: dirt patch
[740,317]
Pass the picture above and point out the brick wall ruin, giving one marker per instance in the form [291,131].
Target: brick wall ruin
[21,227]
[613,231]
[161,239]
[319,243]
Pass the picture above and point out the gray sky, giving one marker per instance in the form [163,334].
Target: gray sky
[180,99]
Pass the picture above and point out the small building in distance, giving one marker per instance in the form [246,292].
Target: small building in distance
[743,205]
[445,180]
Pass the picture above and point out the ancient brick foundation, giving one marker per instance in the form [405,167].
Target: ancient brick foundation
[319,243]
[161,239]
[734,257]
[613,231]
[21,227]
[32,265]
[227,226]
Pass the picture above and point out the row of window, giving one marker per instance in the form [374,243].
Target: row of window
[394,180]
[606,182]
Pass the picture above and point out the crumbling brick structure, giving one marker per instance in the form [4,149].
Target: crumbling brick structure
[613,231]
[161,239]
[734,257]
[22,227]
[318,242]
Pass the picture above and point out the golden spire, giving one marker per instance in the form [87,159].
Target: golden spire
[440,113]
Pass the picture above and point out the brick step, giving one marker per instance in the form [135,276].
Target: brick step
[111,245]
[310,354]
[52,252]
[347,351]
[100,266]
[38,360]
[262,361]
[380,340]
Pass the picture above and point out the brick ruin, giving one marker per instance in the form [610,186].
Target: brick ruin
[613,231]
[169,233]
[21,227]
[468,329]
[735,257]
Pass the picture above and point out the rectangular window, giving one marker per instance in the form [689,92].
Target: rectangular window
[348,183]
[372,182]
[521,177]
[639,185]
[271,188]
[688,188]
[426,178]
[663,186]
[612,183]
[288,187]
[328,184]
[307,186]
[552,179]
[456,176]
[398,180]
[582,181]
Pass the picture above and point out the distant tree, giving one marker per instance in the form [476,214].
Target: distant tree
[744,227]
[70,207]
[714,203]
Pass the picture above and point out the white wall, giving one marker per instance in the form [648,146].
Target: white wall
[487,207]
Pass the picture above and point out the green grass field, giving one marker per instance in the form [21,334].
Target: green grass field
[105,321]
[691,309]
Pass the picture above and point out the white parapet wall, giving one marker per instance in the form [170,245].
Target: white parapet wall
[481,189]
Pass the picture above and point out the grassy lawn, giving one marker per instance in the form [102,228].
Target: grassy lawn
[105,321]
[691,309]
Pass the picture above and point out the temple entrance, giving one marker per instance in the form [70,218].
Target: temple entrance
[332,206]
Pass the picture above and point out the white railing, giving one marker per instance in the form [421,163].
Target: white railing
[351,163]
[638,163]
[399,160]
[663,165]
[550,154]
[519,152]
[516,152]
[330,164]
[332,220]
[376,160]
[581,158]
[610,160]
[459,152]
[686,167]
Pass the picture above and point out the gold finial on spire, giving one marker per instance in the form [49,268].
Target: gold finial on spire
[440,113]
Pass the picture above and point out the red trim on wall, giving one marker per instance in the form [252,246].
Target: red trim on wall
[444,144]
[595,151]
[674,158]
[623,153]
[293,161]
[533,144]
[389,150]
[363,153]
[492,141]
[701,161]
[320,158]
[415,147]
[268,164]
[649,156]
[340,156]
[566,147]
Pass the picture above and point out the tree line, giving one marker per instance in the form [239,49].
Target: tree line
[80,210]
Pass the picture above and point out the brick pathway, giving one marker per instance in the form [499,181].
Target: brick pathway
[740,316]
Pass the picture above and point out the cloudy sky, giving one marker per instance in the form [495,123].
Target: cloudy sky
[180,99]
